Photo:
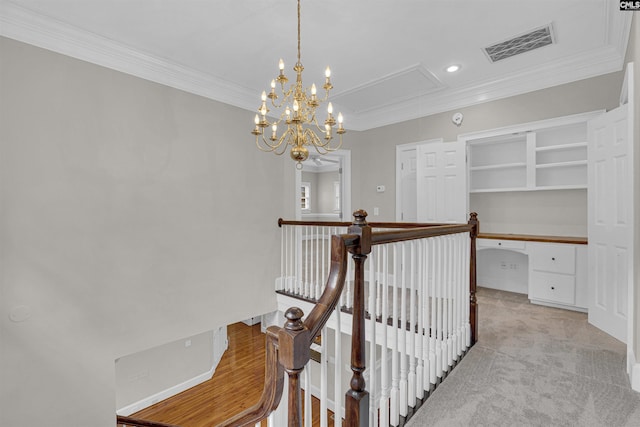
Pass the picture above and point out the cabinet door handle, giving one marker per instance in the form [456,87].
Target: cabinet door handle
[553,258]
[553,288]
[499,243]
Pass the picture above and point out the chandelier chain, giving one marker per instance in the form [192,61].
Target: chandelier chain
[298,31]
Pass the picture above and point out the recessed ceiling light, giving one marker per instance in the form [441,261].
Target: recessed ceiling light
[453,68]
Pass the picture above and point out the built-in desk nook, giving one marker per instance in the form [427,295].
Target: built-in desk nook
[551,270]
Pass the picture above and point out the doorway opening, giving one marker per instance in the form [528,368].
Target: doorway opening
[323,187]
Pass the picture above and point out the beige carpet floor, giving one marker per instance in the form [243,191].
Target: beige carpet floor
[534,366]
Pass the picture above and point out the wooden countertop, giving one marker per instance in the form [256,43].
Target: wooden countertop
[534,238]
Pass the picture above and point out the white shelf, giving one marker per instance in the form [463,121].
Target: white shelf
[562,164]
[499,166]
[562,146]
[500,190]
[560,187]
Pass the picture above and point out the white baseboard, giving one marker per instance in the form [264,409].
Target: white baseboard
[633,368]
[172,391]
[165,394]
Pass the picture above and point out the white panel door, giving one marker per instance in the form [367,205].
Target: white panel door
[441,182]
[406,183]
[610,224]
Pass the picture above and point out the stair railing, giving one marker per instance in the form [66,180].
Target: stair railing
[295,338]
[288,347]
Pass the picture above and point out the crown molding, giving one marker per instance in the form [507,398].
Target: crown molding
[21,24]
[27,26]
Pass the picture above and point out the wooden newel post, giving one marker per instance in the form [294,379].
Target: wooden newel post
[473,302]
[357,398]
[293,343]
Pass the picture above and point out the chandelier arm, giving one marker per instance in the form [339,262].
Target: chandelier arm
[317,125]
[319,145]
[268,147]
[316,141]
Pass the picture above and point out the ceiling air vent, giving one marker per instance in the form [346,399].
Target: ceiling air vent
[524,43]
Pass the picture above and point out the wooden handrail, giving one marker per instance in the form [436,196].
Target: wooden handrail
[384,237]
[321,312]
[282,222]
[273,386]
[138,422]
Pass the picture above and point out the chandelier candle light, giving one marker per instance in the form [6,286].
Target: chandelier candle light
[298,112]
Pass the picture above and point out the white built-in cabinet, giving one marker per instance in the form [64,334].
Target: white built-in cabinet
[556,273]
[548,155]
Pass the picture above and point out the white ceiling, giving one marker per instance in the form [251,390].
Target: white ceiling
[388,57]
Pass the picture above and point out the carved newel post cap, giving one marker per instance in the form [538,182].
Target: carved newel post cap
[294,319]
[473,216]
[360,217]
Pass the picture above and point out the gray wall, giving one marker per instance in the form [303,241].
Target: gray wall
[326,191]
[130,211]
[374,150]
[555,213]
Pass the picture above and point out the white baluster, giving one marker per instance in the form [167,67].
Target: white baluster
[299,288]
[350,283]
[420,354]
[324,360]
[307,262]
[291,260]
[455,297]
[384,368]
[439,307]
[467,292]
[381,283]
[285,261]
[433,359]
[318,263]
[323,269]
[459,287]
[337,371]
[283,244]
[403,330]
[395,380]
[372,386]
[449,293]
[411,379]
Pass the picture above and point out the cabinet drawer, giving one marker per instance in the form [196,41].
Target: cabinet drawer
[558,258]
[552,287]
[501,244]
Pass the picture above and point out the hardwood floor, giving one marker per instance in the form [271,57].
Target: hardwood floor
[236,385]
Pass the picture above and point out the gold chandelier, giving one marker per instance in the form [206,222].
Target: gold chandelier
[298,112]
